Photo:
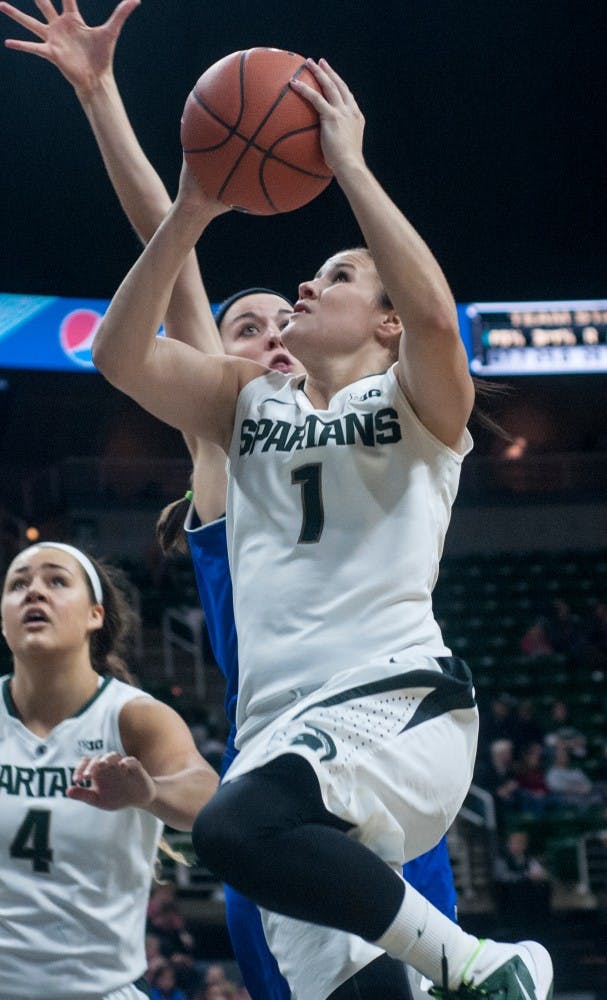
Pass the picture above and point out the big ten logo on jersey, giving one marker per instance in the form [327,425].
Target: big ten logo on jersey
[89,746]
[76,335]
[371,394]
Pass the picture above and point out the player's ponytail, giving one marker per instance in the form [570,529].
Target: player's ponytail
[113,645]
[170,533]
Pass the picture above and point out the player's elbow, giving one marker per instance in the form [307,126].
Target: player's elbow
[117,363]
[103,354]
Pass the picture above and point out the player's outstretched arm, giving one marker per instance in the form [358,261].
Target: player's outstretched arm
[84,54]
[162,771]
[433,367]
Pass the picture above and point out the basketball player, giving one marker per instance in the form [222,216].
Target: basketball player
[253,320]
[74,880]
[357,729]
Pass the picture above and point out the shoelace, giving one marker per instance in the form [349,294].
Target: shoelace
[463,991]
[443,992]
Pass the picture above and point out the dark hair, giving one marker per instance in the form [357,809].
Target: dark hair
[483,388]
[225,305]
[486,390]
[169,526]
[383,300]
[112,645]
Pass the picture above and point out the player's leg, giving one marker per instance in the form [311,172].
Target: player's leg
[321,962]
[269,834]
[384,977]
[432,875]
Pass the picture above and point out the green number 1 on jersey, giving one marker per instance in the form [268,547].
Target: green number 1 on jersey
[313,515]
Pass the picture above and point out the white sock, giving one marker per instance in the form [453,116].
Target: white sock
[423,937]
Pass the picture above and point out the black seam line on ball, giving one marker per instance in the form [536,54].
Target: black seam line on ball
[250,142]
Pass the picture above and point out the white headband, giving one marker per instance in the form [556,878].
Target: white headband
[84,561]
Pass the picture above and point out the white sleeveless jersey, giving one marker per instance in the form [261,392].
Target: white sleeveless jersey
[336,525]
[74,880]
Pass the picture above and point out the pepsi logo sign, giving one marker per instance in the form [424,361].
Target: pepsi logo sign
[76,335]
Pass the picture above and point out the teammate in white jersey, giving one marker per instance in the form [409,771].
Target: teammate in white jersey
[351,778]
[75,880]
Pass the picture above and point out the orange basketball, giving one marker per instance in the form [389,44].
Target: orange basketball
[250,140]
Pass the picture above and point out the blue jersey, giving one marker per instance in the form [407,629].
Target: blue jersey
[209,551]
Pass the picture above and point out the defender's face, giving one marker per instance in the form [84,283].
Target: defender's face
[252,328]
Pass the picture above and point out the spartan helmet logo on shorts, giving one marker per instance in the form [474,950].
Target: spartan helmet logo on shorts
[317,739]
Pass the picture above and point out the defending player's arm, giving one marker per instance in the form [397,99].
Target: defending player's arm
[162,772]
[433,367]
[84,55]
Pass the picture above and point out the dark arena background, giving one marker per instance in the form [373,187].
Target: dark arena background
[486,124]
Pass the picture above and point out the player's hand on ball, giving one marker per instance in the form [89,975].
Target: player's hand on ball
[81,52]
[112,782]
[193,196]
[342,123]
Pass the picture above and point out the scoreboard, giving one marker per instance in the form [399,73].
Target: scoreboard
[535,338]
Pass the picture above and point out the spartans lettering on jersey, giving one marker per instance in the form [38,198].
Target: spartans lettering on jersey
[369,429]
[35,782]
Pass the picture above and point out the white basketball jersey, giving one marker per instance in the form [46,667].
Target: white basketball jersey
[74,880]
[336,525]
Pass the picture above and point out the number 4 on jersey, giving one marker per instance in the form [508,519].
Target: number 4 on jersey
[32,840]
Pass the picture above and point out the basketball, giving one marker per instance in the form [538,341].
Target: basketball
[250,140]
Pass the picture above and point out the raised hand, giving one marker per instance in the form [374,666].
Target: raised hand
[81,52]
[192,197]
[341,120]
[115,782]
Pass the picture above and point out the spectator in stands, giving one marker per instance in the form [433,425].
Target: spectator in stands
[533,791]
[535,641]
[522,888]
[166,920]
[153,954]
[563,628]
[217,985]
[531,773]
[163,985]
[496,724]
[498,776]
[569,785]
[560,730]
[527,728]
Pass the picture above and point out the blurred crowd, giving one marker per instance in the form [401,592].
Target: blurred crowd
[582,639]
[535,767]
[175,972]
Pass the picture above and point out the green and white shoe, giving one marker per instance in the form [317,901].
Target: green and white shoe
[520,971]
